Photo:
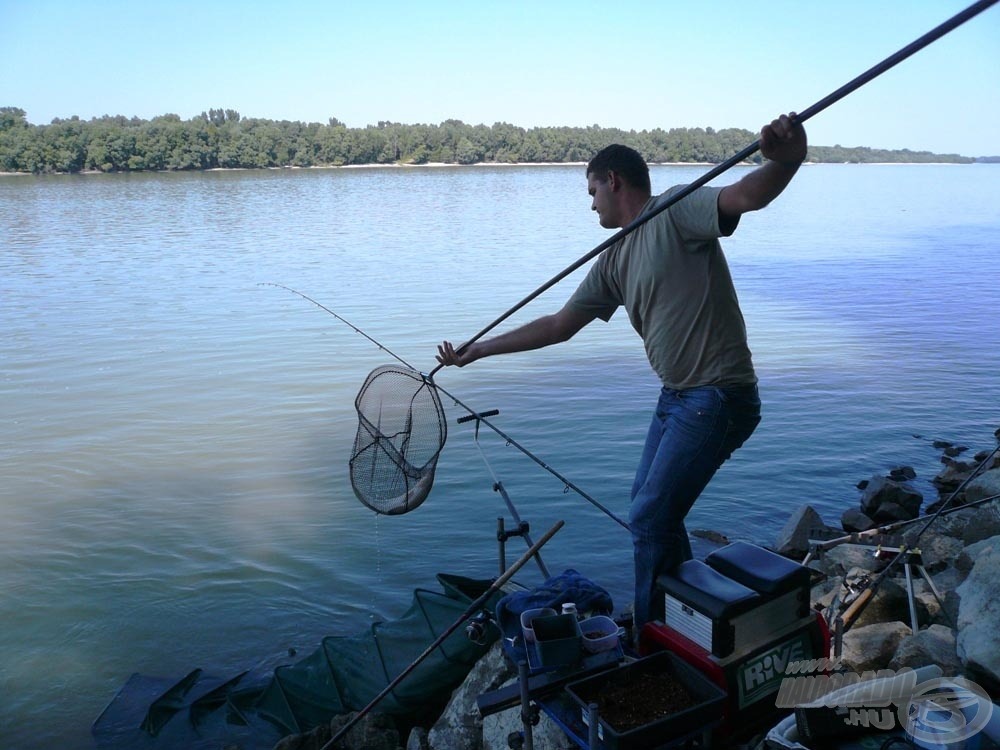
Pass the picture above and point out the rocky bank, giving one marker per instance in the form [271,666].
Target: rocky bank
[954,575]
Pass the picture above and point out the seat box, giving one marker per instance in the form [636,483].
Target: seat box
[705,606]
[737,599]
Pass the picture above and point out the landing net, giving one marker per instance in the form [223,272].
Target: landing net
[401,431]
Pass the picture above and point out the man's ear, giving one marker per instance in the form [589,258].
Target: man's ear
[614,181]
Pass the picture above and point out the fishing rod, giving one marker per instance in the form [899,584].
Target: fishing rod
[567,484]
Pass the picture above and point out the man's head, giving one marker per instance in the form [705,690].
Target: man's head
[618,182]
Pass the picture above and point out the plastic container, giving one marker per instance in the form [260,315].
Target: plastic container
[528,616]
[600,633]
[557,640]
[707,709]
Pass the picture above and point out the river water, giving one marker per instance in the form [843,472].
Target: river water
[175,490]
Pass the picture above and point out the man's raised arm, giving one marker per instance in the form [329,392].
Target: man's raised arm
[784,145]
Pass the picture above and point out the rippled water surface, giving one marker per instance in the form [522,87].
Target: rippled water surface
[174,468]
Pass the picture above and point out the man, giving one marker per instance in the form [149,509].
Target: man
[672,278]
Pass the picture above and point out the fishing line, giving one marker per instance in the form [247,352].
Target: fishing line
[567,484]
[402,427]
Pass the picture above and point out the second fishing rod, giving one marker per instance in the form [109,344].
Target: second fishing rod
[477,415]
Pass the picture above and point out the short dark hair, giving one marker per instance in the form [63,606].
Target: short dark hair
[625,161]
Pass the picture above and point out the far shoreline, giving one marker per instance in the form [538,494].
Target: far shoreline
[439,165]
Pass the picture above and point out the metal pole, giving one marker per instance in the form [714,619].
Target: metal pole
[593,737]
[522,677]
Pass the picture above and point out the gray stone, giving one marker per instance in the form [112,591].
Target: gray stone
[945,611]
[948,579]
[460,726]
[710,535]
[853,519]
[938,551]
[823,593]
[417,739]
[952,476]
[793,539]
[985,485]
[967,558]
[950,524]
[373,731]
[872,647]
[499,726]
[935,612]
[984,522]
[935,645]
[891,603]
[881,490]
[979,615]
[889,512]
[842,558]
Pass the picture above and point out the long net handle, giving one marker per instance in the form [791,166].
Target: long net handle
[876,70]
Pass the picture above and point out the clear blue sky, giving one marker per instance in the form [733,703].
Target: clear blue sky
[629,63]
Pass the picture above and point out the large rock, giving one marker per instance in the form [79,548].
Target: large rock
[984,522]
[844,557]
[952,523]
[901,501]
[890,603]
[373,731]
[793,539]
[979,614]
[943,607]
[460,726]
[872,647]
[823,594]
[971,553]
[417,739]
[951,477]
[937,551]
[936,645]
[545,734]
[985,485]
[853,519]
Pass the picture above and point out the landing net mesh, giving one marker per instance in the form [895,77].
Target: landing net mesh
[401,431]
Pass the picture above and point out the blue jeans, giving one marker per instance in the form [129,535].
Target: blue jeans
[692,433]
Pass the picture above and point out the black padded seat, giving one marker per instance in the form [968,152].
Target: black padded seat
[766,572]
[705,589]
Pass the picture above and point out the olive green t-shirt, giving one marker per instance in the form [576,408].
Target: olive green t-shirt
[672,278]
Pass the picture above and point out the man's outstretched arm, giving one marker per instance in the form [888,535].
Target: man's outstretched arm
[544,331]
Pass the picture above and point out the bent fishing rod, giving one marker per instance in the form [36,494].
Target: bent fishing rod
[876,70]
[567,484]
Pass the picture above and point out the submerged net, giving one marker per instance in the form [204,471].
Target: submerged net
[401,431]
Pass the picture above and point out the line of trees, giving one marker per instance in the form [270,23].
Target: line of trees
[223,138]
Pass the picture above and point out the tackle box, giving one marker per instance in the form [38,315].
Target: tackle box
[737,599]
